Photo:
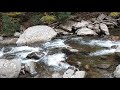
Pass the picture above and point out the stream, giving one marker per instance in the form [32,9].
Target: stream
[63,52]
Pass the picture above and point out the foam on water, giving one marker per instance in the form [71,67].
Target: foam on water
[56,43]
[56,60]
[103,52]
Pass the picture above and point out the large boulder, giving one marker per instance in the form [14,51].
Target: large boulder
[117,72]
[9,68]
[40,33]
[86,31]
[104,29]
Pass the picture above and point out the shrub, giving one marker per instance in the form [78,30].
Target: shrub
[48,19]
[35,20]
[115,14]
[62,16]
[9,25]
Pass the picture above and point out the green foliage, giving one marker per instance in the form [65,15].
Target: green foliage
[62,16]
[115,14]
[48,19]
[10,25]
[35,20]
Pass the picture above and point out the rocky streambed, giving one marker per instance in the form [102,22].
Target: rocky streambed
[82,49]
[94,55]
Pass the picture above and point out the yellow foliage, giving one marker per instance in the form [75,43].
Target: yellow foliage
[115,14]
[48,19]
[14,14]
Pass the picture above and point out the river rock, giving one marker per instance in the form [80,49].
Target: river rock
[104,28]
[56,75]
[103,66]
[30,67]
[86,31]
[117,52]
[81,24]
[70,73]
[79,74]
[9,41]
[40,33]
[35,55]
[17,34]
[117,72]
[101,17]
[67,25]
[1,38]
[9,68]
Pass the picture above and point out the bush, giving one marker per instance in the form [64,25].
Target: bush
[9,25]
[48,19]
[35,20]
[115,14]
[62,16]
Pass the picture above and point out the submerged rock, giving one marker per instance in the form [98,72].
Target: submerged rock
[9,68]
[40,33]
[86,31]
[103,66]
[35,55]
[117,52]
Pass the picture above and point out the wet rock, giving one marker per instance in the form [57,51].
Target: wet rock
[9,68]
[30,67]
[67,25]
[117,52]
[35,55]
[17,34]
[1,38]
[56,75]
[103,66]
[40,33]
[114,46]
[117,72]
[104,28]
[86,31]
[8,56]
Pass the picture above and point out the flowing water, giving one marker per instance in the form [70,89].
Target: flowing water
[58,55]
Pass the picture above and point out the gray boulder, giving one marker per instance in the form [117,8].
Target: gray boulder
[86,31]
[117,72]
[9,68]
[104,28]
[40,33]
